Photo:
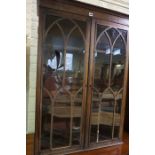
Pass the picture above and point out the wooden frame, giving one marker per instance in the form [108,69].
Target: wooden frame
[79,11]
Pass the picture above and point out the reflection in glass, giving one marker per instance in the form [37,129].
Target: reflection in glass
[74,70]
[69,61]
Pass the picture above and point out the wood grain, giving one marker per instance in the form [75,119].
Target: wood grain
[30,144]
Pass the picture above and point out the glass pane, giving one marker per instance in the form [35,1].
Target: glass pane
[54,38]
[112,34]
[68,27]
[46,121]
[94,116]
[106,115]
[102,116]
[77,113]
[76,41]
[100,29]
[74,71]
[49,20]
[76,129]
[63,71]
[124,34]
[82,26]
[118,63]
[61,119]
[117,115]
[102,63]
[117,78]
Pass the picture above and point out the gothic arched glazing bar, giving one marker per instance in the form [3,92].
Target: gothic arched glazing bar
[51,26]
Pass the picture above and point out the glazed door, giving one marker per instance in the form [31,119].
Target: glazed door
[83,65]
[64,81]
[107,82]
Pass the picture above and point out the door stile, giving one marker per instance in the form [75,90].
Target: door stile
[126,76]
[85,84]
[90,81]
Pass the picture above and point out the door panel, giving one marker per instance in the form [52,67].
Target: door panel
[64,63]
[108,58]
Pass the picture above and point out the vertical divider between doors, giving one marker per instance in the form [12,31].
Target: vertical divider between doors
[85,84]
[90,82]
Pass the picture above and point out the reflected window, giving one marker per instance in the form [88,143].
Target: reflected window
[107,51]
[56,62]
[52,63]
[69,61]
[117,52]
